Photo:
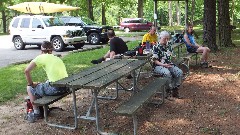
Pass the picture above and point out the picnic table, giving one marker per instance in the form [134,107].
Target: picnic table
[96,78]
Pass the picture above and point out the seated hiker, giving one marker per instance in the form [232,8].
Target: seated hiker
[150,37]
[55,70]
[117,46]
[162,65]
[193,47]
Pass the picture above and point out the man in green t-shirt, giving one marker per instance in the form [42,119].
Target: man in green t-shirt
[55,70]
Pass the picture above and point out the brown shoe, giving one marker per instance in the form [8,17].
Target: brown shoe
[175,93]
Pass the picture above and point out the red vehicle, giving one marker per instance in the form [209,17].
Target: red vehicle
[134,24]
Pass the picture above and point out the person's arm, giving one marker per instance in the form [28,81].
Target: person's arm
[112,54]
[27,72]
[189,43]
[157,62]
[144,40]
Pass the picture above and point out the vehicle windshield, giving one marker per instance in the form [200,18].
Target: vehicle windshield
[88,21]
[53,21]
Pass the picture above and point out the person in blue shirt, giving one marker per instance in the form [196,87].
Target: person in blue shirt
[162,53]
[193,47]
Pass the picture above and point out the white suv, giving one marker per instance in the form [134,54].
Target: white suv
[34,29]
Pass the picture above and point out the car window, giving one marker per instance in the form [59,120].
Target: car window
[15,22]
[53,21]
[25,23]
[36,22]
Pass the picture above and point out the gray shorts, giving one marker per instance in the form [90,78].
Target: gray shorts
[45,89]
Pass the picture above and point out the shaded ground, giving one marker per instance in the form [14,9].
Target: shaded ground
[211,105]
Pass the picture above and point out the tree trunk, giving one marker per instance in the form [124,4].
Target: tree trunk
[224,24]
[170,13]
[103,14]
[178,13]
[233,6]
[4,20]
[90,9]
[209,26]
[140,9]
[192,12]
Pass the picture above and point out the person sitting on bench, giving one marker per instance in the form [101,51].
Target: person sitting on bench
[193,47]
[150,37]
[117,46]
[55,70]
[162,65]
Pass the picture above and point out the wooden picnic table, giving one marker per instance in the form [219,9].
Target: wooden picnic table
[98,77]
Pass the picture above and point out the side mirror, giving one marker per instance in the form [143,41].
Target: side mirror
[40,26]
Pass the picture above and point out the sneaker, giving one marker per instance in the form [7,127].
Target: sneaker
[175,93]
[129,76]
[94,62]
[38,116]
[204,64]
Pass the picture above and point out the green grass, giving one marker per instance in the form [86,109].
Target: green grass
[13,80]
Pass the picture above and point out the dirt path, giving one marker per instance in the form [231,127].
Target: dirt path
[211,105]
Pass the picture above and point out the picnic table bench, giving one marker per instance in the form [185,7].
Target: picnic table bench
[137,100]
[45,101]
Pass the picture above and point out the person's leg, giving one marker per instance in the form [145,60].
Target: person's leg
[166,74]
[177,76]
[34,93]
[177,80]
[205,52]
[107,55]
[32,97]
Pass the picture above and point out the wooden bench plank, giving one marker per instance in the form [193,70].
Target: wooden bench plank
[130,107]
[47,100]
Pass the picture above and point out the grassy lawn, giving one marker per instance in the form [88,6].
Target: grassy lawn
[13,81]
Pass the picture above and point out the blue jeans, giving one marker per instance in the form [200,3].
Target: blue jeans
[172,74]
[45,89]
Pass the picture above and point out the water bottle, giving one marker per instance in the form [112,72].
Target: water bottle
[30,116]
[148,46]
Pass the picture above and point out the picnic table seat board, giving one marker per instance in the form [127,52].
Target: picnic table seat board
[136,101]
[47,100]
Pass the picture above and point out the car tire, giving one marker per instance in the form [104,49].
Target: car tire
[18,43]
[58,44]
[105,41]
[94,38]
[126,30]
[79,45]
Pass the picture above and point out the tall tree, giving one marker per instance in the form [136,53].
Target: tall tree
[224,23]
[178,11]
[170,14]
[209,25]
[103,14]
[140,8]
[192,11]
[90,9]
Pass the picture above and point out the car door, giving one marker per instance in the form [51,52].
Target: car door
[24,29]
[143,24]
[37,31]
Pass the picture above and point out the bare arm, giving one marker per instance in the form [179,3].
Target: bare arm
[188,42]
[161,64]
[112,54]
[27,72]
